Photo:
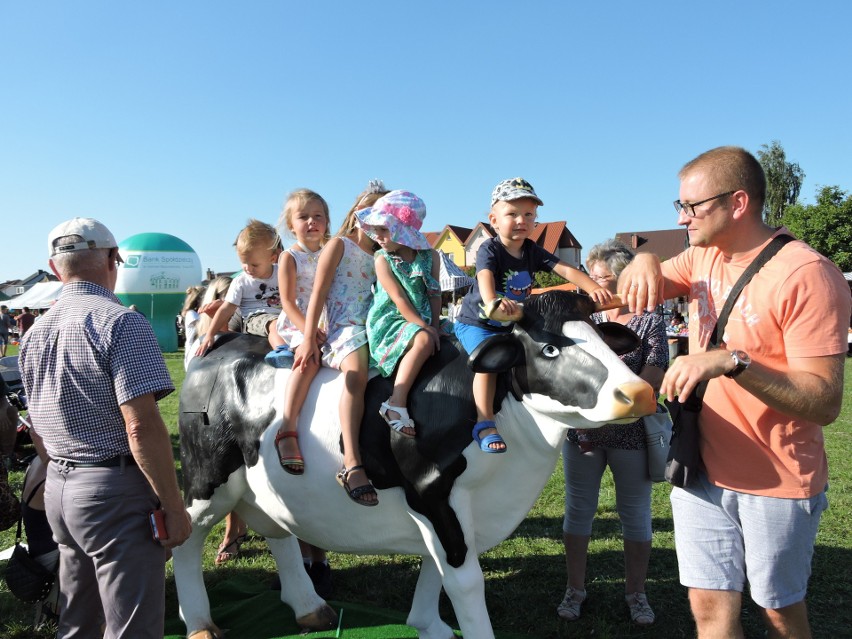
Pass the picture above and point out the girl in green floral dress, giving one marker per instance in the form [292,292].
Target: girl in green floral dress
[403,324]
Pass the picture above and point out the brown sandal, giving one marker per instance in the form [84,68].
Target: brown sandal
[294,464]
[230,551]
[357,494]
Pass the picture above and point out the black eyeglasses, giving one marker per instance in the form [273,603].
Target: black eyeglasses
[689,207]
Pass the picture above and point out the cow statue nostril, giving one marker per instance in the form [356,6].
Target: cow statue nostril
[634,400]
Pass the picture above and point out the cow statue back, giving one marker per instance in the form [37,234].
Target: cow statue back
[440,497]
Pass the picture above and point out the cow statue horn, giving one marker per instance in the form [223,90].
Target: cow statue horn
[492,311]
[615,302]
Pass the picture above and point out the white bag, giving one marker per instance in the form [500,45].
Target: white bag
[658,436]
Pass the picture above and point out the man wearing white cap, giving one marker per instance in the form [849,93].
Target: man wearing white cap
[93,374]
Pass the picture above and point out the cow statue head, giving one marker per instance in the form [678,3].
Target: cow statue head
[564,363]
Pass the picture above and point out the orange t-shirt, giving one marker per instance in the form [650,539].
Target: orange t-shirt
[797,305]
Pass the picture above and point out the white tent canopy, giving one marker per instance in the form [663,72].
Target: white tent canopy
[452,277]
[40,296]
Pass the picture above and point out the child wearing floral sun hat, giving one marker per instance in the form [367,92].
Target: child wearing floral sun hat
[403,324]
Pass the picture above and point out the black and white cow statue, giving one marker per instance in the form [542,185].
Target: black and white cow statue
[440,497]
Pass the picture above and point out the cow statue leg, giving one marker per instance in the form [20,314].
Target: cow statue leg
[297,591]
[464,585]
[193,602]
[424,616]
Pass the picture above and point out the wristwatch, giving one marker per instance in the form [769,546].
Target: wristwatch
[741,362]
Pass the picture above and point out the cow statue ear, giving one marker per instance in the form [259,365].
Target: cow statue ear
[496,354]
[618,337]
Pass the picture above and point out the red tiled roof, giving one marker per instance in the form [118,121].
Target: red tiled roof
[552,236]
[664,244]
[432,237]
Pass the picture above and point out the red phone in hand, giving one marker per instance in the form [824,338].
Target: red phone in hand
[158,525]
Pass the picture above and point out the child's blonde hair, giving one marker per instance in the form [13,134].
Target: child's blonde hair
[215,290]
[192,301]
[375,189]
[296,201]
[257,235]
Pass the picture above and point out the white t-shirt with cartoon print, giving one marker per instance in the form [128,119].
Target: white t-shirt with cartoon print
[255,295]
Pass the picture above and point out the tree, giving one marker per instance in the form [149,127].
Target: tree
[826,225]
[783,181]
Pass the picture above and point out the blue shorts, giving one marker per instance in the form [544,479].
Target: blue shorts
[4,338]
[472,336]
[724,538]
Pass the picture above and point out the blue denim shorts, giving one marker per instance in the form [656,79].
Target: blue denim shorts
[471,336]
[724,538]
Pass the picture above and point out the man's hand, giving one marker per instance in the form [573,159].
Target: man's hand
[178,527]
[686,371]
[641,283]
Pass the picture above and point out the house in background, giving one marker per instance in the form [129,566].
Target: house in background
[557,239]
[664,244]
[12,288]
[451,241]
[478,235]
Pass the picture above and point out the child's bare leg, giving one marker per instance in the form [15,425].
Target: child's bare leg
[298,385]
[484,388]
[275,338]
[419,351]
[354,368]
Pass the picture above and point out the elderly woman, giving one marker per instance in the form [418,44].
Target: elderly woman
[587,453]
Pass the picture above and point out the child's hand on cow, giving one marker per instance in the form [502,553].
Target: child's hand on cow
[601,295]
[205,345]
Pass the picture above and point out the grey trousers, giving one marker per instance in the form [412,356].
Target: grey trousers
[110,568]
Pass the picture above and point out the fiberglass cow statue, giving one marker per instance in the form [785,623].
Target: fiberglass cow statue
[440,497]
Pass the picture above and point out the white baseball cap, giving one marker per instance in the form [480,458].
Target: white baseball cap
[95,235]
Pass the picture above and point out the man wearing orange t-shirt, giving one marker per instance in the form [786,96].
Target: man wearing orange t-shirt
[775,381]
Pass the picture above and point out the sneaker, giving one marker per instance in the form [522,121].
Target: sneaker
[640,611]
[572,604]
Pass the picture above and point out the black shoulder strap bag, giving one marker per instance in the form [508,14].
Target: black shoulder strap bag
[684,454]
[27,579]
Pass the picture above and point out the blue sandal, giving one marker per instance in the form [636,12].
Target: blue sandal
[485,442]
[281,357]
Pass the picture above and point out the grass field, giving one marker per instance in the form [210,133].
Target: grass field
[525,575]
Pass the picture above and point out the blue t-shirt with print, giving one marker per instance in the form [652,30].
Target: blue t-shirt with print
[513,278]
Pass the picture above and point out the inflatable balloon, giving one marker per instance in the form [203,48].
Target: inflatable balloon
[157,270]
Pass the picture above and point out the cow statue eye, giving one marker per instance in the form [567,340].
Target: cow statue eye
[550,351]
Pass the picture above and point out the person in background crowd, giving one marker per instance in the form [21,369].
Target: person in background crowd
[25,320]
[774,382]
[6,325]
[93,373]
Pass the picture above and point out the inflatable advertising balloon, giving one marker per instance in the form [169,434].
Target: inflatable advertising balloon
[157,270]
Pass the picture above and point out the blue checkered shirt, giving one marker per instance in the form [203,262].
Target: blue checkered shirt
[79,363]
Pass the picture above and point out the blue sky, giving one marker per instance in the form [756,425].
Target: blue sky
[190,117]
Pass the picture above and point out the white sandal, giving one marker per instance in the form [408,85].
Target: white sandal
[404,420]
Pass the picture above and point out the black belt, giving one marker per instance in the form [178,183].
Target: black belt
[112,462]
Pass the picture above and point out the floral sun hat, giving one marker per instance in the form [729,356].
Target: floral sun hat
[402,214]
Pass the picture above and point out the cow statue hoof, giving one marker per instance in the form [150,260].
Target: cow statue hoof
[323,618]
[207,633]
